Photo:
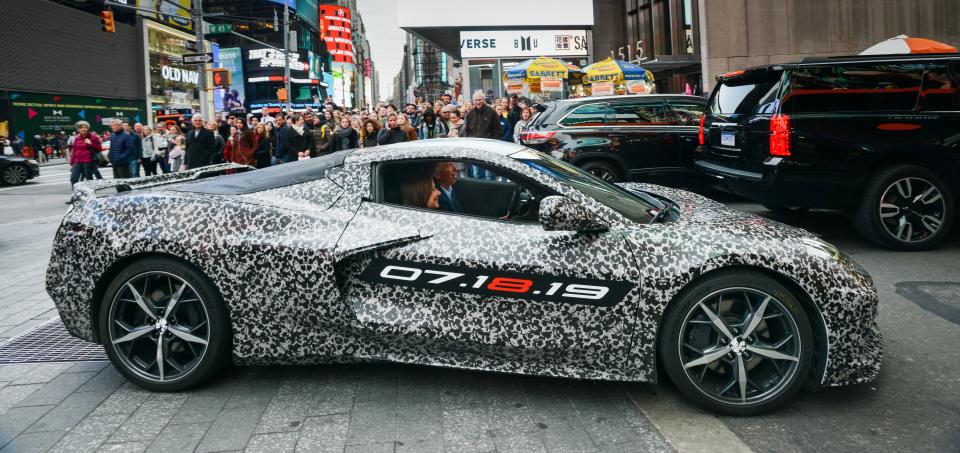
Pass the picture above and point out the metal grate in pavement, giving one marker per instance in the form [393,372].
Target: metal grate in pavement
[49,342]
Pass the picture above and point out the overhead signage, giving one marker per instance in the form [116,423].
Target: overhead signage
[523,43]
[179,75]
[336,28]
[271,58]
[195,58]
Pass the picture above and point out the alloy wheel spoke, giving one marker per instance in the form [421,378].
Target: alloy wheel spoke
[742,378]
[134,333]
[904,230]
[756,317]
[160,357]
[889,210]
[174,300]
[718,323]
[141,302]
[771,353]
[926,193]
[904,188]
[185,335]
[931,223]
[708,357]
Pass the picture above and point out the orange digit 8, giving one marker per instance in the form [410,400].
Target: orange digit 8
[510,285]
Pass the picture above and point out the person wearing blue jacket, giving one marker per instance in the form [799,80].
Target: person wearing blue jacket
[121,150]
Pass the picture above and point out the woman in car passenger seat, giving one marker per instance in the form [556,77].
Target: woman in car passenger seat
[420,192]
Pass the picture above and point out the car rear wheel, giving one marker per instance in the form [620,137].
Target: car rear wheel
[15,174]
[603,170]
[164,326]
[737,343]
[906,207]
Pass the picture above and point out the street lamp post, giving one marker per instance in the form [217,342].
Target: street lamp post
[198,29]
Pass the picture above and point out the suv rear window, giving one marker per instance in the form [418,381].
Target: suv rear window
[854,87]
[585,115]
[745,95]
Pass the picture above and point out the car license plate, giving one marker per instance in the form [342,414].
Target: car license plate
[728,139]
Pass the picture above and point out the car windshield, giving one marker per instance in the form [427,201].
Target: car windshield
[627,203]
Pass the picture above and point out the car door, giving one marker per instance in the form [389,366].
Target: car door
[652,149]
[483,292]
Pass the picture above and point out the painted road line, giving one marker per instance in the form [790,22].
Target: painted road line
[687,428]
[28,185]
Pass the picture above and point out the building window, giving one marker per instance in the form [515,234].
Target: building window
[688,26]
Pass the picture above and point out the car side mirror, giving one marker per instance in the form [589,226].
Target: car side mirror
[559,213]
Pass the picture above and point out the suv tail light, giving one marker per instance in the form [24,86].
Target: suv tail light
[536,138]
[780,135]
[700,137]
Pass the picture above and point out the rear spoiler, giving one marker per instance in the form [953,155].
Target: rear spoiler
[88,189]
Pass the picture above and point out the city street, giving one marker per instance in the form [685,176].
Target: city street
[914,405]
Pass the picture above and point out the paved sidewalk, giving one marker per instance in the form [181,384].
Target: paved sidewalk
[24,253]
[357,408]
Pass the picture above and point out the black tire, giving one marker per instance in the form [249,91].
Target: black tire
[14,175]
[703,383]
[884,230]
[216,352]
[785,210]
[603,170]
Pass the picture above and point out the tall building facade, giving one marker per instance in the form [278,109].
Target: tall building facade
[687,43]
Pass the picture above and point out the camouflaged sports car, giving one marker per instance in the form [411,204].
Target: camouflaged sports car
[529,265]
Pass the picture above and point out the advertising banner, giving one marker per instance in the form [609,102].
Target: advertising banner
[514,86]
[336,30]
[554,84]
[307,10]
[42,113]
[175,13]
[231,58]
[602,88]
[343,84]
[523,43]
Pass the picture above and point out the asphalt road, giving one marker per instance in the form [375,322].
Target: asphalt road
[913,406]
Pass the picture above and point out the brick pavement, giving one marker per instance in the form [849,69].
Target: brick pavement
[89,407]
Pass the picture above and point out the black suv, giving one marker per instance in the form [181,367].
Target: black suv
[876,136]
[649,138]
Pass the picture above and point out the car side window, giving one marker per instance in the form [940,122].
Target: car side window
[459,187]
[939,89]
[639,114]
[585,116]
[687,113]
[854,88]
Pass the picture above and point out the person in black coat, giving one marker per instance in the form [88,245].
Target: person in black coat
[392,132]
[201,145]
[345,137]
[299,141]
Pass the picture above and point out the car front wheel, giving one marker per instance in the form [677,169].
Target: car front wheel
[164,326]
[906,207]
[16,174]
[737,343]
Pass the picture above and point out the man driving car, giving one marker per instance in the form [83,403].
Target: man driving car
[445,175]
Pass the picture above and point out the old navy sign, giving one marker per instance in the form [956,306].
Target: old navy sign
[523,43]
[179,75]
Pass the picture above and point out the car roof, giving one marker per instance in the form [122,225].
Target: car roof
[628,97]
[498,147]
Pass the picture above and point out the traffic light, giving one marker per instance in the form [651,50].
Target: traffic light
[106,19]
[221,77]
[282,94]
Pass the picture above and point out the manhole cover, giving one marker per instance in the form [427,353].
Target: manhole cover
[49,342]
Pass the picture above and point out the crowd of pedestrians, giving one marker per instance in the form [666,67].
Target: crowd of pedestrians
[134,150]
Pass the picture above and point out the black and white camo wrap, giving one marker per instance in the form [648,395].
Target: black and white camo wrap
[287,261]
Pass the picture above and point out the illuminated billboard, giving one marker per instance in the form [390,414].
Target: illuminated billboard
[336,30]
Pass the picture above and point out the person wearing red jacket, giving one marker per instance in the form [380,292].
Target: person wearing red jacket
[84,159]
